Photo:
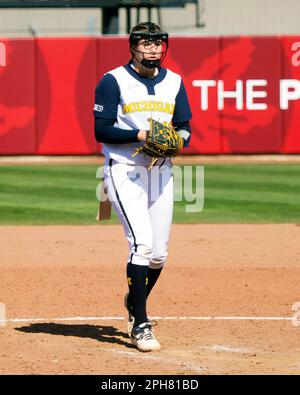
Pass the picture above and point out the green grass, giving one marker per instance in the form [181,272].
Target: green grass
[66,194]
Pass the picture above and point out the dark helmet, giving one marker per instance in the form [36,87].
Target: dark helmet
[150,32]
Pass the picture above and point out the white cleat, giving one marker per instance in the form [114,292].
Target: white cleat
[143,338]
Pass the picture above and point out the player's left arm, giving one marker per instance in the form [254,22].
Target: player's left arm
[182,115]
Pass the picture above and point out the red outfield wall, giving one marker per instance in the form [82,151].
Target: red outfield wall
[244,92]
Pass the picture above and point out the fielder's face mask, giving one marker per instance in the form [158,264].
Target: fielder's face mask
[158,38]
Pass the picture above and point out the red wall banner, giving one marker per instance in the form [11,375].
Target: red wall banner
[250,67]
[244,92]
[66,78]
[18,114]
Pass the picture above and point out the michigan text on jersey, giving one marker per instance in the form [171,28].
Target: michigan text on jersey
[138,106]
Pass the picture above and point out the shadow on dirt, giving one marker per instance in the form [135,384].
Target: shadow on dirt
[102,333]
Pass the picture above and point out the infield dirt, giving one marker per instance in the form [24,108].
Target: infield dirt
[233,271]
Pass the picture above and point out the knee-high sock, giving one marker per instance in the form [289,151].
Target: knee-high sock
[137,283]
[153,275]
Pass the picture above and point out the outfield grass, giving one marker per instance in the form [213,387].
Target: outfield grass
[66,194]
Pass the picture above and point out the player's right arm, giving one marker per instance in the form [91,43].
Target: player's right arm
[107,96]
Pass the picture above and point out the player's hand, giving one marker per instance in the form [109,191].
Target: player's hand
[142,135]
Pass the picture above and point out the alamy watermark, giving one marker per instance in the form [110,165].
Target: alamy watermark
[2,314]
[2,55]
[188,186]
[296,316]
[296,56]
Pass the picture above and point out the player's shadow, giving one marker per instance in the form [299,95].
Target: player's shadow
[101,333]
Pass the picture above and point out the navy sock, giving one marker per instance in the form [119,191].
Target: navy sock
[153,275]
[137,283]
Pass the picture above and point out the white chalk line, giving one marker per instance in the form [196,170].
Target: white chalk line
[171,318]
[225,348]
[144,356]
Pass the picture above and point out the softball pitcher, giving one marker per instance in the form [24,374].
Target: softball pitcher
[125,99]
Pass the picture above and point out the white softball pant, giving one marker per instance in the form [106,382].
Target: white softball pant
[143,201]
